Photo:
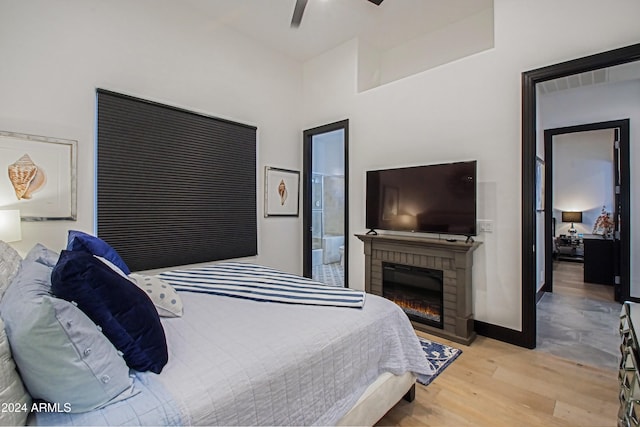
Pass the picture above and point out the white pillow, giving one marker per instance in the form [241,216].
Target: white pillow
[167,301]
[164,297]
[115,268]
[12,391]
[10,261]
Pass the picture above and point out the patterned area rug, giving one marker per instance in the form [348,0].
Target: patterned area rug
[439,357]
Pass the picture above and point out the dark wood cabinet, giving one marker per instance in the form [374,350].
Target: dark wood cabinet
[598,261]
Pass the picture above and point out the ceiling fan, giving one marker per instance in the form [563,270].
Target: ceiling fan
[298,10]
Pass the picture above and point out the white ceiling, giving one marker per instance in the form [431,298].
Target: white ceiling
[329,23]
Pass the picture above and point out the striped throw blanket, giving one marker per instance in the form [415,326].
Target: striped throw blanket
[260,283]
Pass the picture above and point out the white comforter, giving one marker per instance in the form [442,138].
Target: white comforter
[241,362]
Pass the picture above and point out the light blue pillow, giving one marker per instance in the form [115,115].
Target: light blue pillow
[40,253]
[79,241]
[61,355]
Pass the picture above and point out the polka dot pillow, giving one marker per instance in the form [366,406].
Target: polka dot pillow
[164,297]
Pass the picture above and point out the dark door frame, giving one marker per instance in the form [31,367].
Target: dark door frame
[625,200]
[527,338]
[307,267]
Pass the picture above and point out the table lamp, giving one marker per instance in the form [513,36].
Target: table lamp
[572,217]
[10,229]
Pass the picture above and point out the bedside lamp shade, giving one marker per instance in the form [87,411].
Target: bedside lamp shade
[571,216]
[10,230]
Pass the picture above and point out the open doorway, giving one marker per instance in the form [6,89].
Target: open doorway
[577,307]
[325,202]
[587,194]
[529,241]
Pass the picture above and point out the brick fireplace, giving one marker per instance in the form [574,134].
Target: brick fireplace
[453,259]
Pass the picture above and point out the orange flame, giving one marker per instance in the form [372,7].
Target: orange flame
[417,306]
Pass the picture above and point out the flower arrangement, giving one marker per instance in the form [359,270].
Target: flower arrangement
[604,223]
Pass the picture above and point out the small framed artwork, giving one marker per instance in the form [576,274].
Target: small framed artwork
[539,184]
[39,176]
[281,192]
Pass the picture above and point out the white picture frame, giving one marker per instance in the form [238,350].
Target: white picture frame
[38,176]
[281,192]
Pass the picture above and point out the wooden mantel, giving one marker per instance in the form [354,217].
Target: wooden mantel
[455,259]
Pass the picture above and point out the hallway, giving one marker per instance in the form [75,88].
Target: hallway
[579,321]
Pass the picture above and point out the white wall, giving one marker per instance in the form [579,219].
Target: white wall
[463,38]
[466,37]
[328,153]
[56,53]
[598,104]
[467,109]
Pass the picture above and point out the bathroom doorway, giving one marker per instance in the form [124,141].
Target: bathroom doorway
[325,201]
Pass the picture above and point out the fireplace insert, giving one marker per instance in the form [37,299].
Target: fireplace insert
[418,291]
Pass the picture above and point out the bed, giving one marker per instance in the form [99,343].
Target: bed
[230,359]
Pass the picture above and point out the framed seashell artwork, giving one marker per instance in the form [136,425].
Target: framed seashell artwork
[281,192]
[39,177]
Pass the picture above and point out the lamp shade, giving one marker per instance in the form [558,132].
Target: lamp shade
[10,230]
[571,216]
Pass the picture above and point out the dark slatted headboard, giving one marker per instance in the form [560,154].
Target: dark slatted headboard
[173,187]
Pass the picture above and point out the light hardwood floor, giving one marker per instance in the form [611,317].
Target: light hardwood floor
[493,383]
[568,280]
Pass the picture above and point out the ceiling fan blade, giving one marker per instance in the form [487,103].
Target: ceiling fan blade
[298,10]
[376,2]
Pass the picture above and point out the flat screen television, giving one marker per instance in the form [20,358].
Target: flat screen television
[431,199]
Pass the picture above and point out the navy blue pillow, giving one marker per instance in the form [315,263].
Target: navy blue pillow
[79,241]
[125,313]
